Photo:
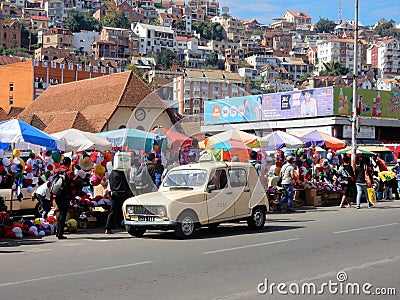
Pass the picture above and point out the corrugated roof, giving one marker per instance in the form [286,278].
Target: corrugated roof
[6,60]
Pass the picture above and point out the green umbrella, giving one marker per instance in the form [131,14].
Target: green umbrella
[359,152]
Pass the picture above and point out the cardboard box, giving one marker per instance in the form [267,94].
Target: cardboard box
[317,201]
[310,195]
[85,224]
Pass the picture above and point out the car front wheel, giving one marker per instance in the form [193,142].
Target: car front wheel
[137,232]
[186,225]
[257,219]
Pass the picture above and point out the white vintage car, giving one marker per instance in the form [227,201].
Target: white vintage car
[201,194]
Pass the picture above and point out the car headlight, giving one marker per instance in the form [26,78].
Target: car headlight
[129,210]
[162,211]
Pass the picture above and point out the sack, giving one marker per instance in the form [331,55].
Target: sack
[371,195]
[58,183]
[141,177]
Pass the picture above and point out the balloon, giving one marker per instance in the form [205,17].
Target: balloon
[56,157]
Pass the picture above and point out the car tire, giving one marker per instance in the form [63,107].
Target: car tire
[137,232]
[186,225]
[257,219]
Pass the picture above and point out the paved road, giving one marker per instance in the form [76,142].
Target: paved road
[309,247]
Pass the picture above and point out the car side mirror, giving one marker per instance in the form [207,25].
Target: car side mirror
[211,188]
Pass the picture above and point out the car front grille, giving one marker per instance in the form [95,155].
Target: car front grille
[152,210]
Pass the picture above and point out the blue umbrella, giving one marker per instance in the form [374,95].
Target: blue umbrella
[23,135]
[132,138]
[229,145]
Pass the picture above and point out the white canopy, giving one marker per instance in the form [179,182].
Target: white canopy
[77,140]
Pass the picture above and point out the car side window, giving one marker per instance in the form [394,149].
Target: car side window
[237,177]
[219,179]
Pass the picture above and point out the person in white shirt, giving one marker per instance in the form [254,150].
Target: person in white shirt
[42,194]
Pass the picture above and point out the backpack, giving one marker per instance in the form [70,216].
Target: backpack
[58,183]
[141,177]
[256,166]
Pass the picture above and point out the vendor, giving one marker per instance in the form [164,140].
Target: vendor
[42,194]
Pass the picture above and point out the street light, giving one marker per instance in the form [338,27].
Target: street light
[355,102]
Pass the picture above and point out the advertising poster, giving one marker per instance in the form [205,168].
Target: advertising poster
[371,103]
[287,105]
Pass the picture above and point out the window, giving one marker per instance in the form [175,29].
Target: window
[219,179]
[11,87]
[11,100]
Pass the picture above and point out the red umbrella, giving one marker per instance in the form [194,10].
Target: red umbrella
[174,139]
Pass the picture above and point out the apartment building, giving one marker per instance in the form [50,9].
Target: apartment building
[258,61]
[210,7]
[22,83]
[154,39]
[55,10]
[337,49]
[234,28]
[294,66]
[126,41]
[10,33]
[195,87]
[384,56]
[83,41]
[300,20]
[277,40]
[60,38]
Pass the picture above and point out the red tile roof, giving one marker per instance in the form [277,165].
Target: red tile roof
[3,115]
[297,14]
[89,104]
[6,60]
[40,18]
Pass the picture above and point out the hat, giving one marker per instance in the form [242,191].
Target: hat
[192,154]
[289,158]
[398,160]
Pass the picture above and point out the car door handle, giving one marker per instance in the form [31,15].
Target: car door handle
[229,193]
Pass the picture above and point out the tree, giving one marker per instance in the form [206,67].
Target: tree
[213,60]
[325,25]
[179,24]
[387,29]
[116,19]
[167,58]
[155,22]
[334,68]
[77,21]
[209,31]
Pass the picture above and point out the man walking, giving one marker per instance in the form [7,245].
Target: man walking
[287,175]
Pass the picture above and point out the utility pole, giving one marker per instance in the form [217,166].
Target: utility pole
[355,100]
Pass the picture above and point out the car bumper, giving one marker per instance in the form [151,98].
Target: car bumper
[155,225]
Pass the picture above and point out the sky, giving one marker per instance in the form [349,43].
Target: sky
[369,11]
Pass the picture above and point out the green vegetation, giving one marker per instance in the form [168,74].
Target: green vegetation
[334,68]
[77,21]
[209,31]
[387,29]
[325,25]
[167,58]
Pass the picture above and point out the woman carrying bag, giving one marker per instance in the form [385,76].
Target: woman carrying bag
[363,180]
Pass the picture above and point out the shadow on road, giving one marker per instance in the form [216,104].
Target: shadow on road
[23,242]
[221,231]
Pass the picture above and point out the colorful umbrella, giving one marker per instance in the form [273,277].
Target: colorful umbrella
[23,136]
[132,138]
[279,139]
[229,145]
[174,140]
[318,138]
[359,152]
[248,139]
[77,140]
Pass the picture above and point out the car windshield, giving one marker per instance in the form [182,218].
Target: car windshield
[388,157]
[186,178]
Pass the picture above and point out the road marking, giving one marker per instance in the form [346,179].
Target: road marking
[364,228]
[250,246]
[74,273]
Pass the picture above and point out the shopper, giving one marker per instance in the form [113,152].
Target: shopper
[287,175]
[346,179]
[120,191]
[363,170]
[42,194]
[159,169]
[66,195]
[396,169]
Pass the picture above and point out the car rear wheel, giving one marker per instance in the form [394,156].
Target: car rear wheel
[137,232]
[186,225]
[257,219]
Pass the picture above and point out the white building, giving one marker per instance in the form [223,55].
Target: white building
[258,61]
[55,10]
[154,39]
[83,41]
[252,74]
[384,56]
[337,49]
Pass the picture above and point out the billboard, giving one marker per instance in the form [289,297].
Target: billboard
[265,107]
[371,103]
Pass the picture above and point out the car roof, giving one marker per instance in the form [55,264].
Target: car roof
[210,165]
